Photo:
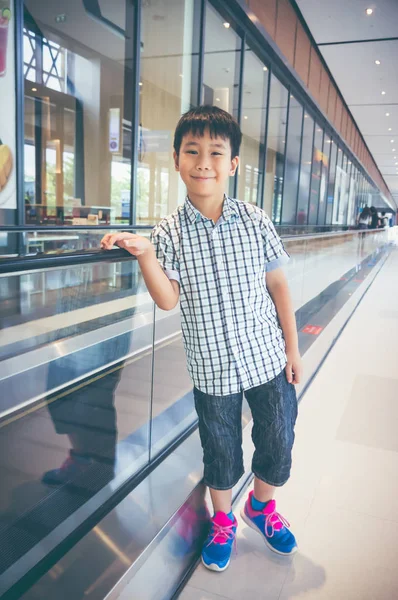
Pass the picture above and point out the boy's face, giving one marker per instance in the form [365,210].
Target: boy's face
[205,164]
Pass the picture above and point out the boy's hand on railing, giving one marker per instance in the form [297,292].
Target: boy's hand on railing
[137,245]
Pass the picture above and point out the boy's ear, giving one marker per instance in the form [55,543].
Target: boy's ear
[175,156]
[234,165]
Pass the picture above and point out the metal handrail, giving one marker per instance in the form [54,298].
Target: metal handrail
[38,261]
[32,228]
[67,259]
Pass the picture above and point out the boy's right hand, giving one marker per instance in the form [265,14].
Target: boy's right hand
[137,245]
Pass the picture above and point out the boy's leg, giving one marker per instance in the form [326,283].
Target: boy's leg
[263,492]
[274,411]
[220,429]
[221,500]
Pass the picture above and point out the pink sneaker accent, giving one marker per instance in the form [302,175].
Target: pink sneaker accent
[68,462]
[223,529]
[273,520]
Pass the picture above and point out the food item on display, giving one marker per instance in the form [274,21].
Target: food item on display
[5,16]
[5,164]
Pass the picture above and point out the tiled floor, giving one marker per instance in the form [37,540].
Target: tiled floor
[342,497]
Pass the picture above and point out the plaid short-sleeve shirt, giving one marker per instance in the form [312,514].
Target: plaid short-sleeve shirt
[230,328]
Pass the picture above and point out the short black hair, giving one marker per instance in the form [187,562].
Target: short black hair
[217,121]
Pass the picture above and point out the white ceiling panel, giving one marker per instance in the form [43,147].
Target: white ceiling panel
[360,80]
[353,67]
[341,20]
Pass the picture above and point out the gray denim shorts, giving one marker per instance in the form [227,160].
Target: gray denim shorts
[274,411]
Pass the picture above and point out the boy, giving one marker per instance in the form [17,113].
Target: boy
[222,257]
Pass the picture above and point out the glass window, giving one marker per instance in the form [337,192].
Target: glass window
[292,168]
[165,93]
[360,198]
[340,189]
[317,163]
[305,170]
[254,107]
[276,141]
[331,183]
[351,183]
[324,180]
[221,72]
[345,189]
[77,117]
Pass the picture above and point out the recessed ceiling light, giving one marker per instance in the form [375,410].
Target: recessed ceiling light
[393,149]
[383,93]
[369,11]
[392,141]
[141,83]
[34,89]
[245,117]
[387,114]
[389,129]
[265,69]
[217,99]
[227,25]
[377,62]
[396,163]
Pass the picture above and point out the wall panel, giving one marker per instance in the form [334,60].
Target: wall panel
[344,119]
[286,29]
[324,91]
[331,112]
[302,54]
[338,114]
[265,10]
[315,74]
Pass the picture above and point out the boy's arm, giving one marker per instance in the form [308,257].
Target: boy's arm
[165,292]
[279,291]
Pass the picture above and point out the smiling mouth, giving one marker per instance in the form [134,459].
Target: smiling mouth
[202,178]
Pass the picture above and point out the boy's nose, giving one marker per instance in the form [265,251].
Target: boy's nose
[202,165]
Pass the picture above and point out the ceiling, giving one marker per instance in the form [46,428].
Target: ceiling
[360,79]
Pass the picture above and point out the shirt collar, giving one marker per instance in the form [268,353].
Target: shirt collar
[229,210]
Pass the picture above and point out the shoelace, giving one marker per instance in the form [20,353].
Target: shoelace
[272,519]
[225,531]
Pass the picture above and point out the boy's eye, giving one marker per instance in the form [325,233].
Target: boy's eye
[191,152]
[217,153]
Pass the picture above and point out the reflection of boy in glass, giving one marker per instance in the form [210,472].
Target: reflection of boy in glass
[221,257]
[87,414]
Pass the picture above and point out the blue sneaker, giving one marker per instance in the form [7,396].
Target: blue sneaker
[271,525]
[72,467]
[217,549]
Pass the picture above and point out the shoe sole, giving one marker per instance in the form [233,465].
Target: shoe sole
[250,523]
[214,567]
